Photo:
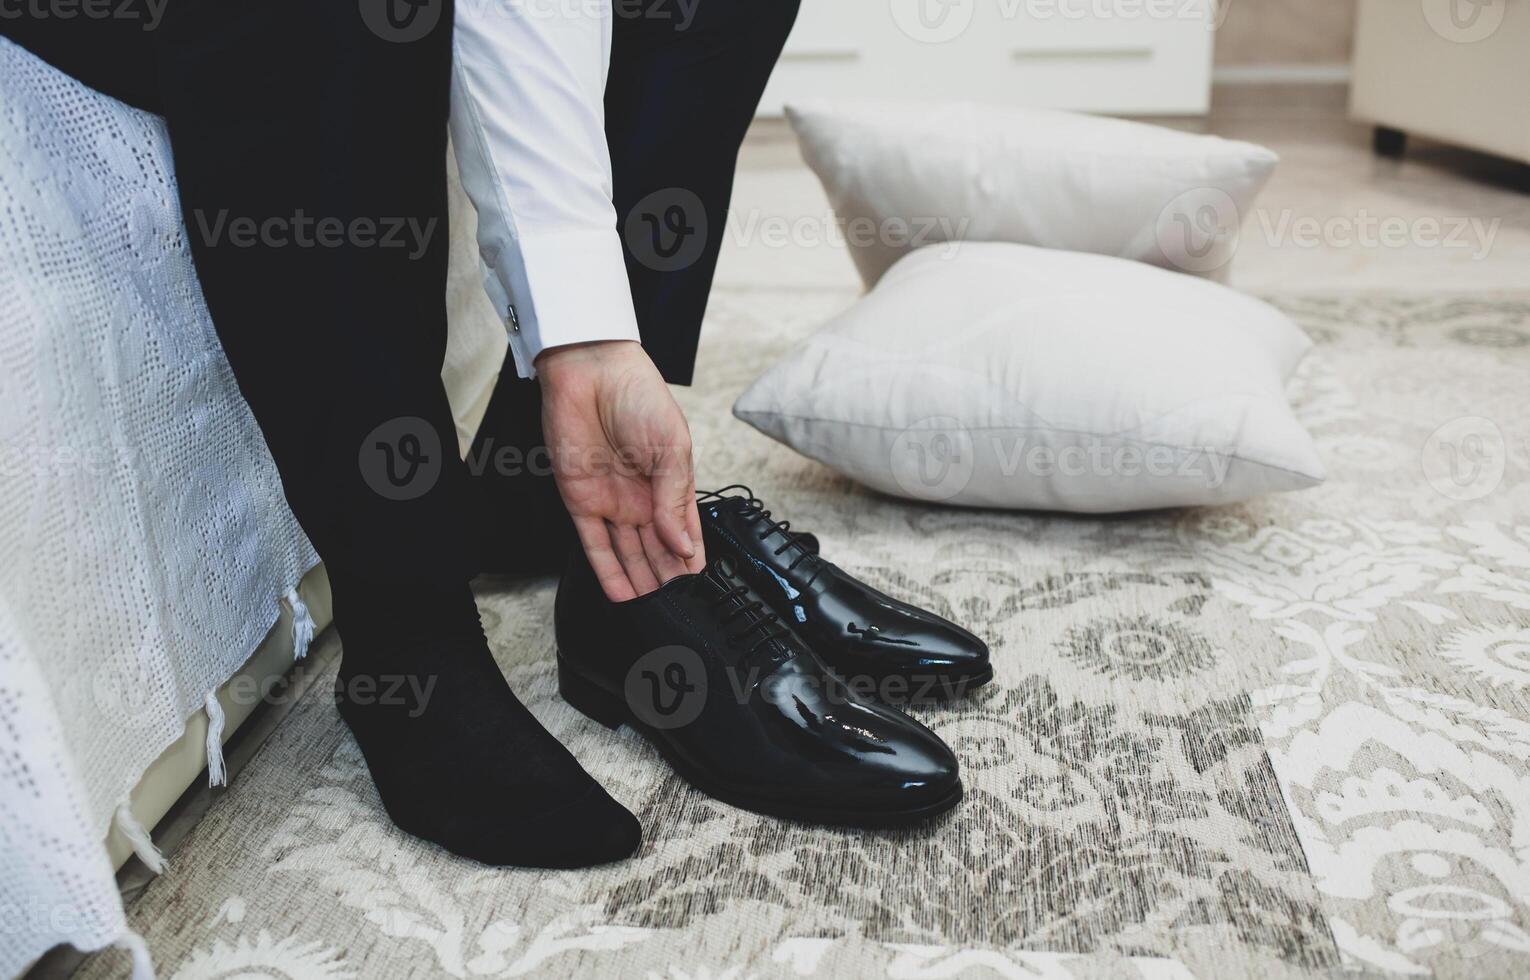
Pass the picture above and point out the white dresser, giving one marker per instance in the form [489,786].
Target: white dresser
[1124,56]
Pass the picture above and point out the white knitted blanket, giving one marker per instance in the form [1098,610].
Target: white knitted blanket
[145,543]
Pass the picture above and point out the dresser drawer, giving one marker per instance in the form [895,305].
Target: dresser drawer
[1152,57]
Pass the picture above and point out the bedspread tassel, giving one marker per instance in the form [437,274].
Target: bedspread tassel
[302,624]
[143,844]
[143,966]
[217,772]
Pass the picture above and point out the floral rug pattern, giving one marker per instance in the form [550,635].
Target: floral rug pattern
[1284,738]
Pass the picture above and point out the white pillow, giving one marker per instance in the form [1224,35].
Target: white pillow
[998,375]
[905,174]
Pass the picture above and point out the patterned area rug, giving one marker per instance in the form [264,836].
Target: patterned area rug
[1287,738]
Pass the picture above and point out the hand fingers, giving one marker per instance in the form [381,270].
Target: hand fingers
[674,502]
[665,563]
[596,541]
[630,552]
[698,561]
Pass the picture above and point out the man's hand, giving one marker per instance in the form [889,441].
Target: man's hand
[621,453]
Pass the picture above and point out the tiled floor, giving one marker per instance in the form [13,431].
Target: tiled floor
[1334,217]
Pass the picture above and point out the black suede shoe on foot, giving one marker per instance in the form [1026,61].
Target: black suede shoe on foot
[457,759]
[880,645]
[740,707]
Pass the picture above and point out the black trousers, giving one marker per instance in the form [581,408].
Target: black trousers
[680,97]
[310,154]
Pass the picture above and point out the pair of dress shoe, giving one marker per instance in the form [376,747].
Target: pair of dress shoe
[766,680]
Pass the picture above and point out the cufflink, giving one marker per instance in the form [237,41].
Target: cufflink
[515,321]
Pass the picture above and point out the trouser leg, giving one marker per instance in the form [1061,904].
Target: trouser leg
[296,131]
[681,94]
[682,90]
[309,149]
[310,154]
[112,54]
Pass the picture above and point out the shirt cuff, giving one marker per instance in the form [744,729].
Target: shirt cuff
[563,287]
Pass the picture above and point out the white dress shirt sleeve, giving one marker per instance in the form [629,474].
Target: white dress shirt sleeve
[528,125]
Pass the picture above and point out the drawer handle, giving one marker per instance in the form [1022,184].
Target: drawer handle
[821,52]
[1082,54]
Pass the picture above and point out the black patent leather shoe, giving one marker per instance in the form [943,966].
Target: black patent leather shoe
[740,707]
[878,644]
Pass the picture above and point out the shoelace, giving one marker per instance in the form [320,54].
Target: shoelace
[734,597]
[754,510]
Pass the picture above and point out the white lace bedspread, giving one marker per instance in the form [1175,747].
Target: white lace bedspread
[144,540]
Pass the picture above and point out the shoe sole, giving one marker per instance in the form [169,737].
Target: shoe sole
[604,708]
[940,690]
